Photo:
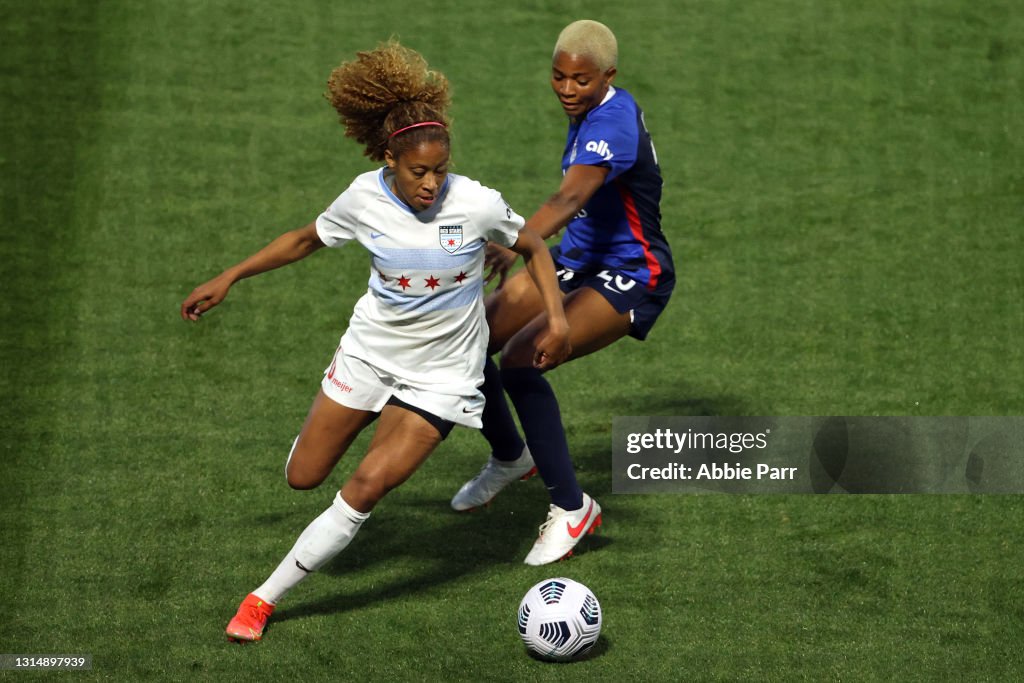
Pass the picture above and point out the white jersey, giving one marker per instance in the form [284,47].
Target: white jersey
[422,319]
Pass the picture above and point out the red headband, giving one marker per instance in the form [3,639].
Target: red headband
[417,125]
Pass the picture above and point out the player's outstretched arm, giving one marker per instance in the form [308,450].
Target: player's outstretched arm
[554,346]
[288,248]
[578,185]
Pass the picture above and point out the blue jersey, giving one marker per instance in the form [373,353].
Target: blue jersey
[620,226]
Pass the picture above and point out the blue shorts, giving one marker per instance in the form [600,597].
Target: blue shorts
[625,294]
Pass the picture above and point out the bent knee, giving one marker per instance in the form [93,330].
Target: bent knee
[303,481]
[300,475]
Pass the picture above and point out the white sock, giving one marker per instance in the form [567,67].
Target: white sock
[325,537]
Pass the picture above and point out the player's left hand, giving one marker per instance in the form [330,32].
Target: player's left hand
[553,347]
[498,261]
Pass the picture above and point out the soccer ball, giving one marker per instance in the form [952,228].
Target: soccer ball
[559,619]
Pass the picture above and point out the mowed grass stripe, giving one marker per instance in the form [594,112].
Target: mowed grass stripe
[50,109]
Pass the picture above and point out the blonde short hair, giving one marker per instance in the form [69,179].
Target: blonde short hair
[589,39]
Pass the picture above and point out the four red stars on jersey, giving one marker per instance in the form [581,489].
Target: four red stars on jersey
[432,282]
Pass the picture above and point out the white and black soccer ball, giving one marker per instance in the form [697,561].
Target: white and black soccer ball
[559,619]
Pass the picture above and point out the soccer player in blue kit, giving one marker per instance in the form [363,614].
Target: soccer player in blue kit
[615,269]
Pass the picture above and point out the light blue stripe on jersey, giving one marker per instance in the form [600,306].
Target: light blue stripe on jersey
[456,297]
[386,258]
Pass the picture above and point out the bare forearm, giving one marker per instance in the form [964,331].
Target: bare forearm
[553,215]
[578,185]
[290,247]
[287,248]
[542,269]
[553,346]
[543,275]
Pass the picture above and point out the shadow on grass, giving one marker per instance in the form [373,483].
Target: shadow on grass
[444,547]
[440,546]
[599,648]
[415,529]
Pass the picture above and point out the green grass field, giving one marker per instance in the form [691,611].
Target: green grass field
[844,194]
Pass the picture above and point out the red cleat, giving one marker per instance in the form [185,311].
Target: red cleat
[250,619]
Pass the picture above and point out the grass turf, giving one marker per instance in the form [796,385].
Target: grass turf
[843,193]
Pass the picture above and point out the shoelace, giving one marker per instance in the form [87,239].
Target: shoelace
[255,613]
[553,516]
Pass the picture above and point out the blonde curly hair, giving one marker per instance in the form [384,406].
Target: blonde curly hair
[387,89]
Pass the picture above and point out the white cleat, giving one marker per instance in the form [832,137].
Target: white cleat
[495,476]
[563,530]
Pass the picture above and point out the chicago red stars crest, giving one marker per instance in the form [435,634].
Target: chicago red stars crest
[450,237]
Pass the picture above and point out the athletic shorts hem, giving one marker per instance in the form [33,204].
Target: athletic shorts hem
[625,294]
[356,384]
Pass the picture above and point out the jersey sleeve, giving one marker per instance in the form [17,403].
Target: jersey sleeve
[499,222]
[609,139]
[336,225]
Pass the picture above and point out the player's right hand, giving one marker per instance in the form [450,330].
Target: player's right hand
[204,297]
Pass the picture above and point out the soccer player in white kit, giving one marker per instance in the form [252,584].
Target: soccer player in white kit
[415,346]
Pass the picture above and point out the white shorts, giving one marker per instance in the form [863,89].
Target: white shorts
[356,384]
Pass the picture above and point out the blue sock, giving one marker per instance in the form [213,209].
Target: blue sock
[538,411]
[499,427]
